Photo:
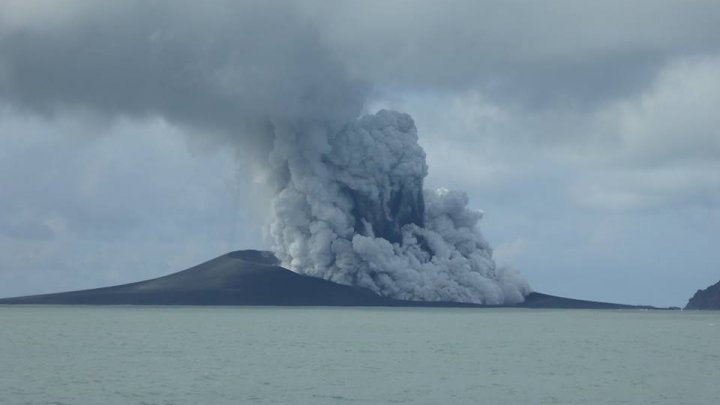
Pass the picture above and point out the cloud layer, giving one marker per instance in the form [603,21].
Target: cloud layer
[584,130]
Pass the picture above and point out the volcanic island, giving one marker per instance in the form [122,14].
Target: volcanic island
[256,278]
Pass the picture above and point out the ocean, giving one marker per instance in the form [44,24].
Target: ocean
[255,355]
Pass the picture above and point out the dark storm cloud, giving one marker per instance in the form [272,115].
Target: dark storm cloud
[218,63]
[534,53]
[220,66]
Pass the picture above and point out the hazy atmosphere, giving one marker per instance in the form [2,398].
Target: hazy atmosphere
[133,139]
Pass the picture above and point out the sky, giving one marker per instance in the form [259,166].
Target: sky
[587,132]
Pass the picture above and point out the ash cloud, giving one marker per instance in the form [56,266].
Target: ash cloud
[349,205]
[229,68]
[354,211]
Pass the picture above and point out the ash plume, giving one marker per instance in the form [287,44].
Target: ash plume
[353,210]
[349,202]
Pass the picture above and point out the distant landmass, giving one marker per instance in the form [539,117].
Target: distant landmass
[252,277]
[708,298]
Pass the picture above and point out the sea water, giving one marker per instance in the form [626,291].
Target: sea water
[251,355]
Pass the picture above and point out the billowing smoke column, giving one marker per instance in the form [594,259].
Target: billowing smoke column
[353,210]
[350,205]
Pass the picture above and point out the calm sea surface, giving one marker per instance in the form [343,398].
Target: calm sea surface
[201,355]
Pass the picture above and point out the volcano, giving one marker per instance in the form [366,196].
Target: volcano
[253,277]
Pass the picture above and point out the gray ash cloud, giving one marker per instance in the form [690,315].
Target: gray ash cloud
[349,203]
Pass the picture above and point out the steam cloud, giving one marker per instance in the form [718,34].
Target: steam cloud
[350,205]
[353,210]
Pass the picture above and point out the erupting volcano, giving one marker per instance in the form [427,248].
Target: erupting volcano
[352,209]
[348,199]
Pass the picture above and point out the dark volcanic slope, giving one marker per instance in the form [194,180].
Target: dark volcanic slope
[539,300]
[251,277]
[708,298]
[247,277]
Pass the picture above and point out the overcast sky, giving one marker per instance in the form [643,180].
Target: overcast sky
[588,132]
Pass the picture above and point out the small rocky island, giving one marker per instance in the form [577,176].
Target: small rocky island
[708,298]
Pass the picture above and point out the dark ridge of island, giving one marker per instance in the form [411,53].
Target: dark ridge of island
[708,298]
[252,277]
